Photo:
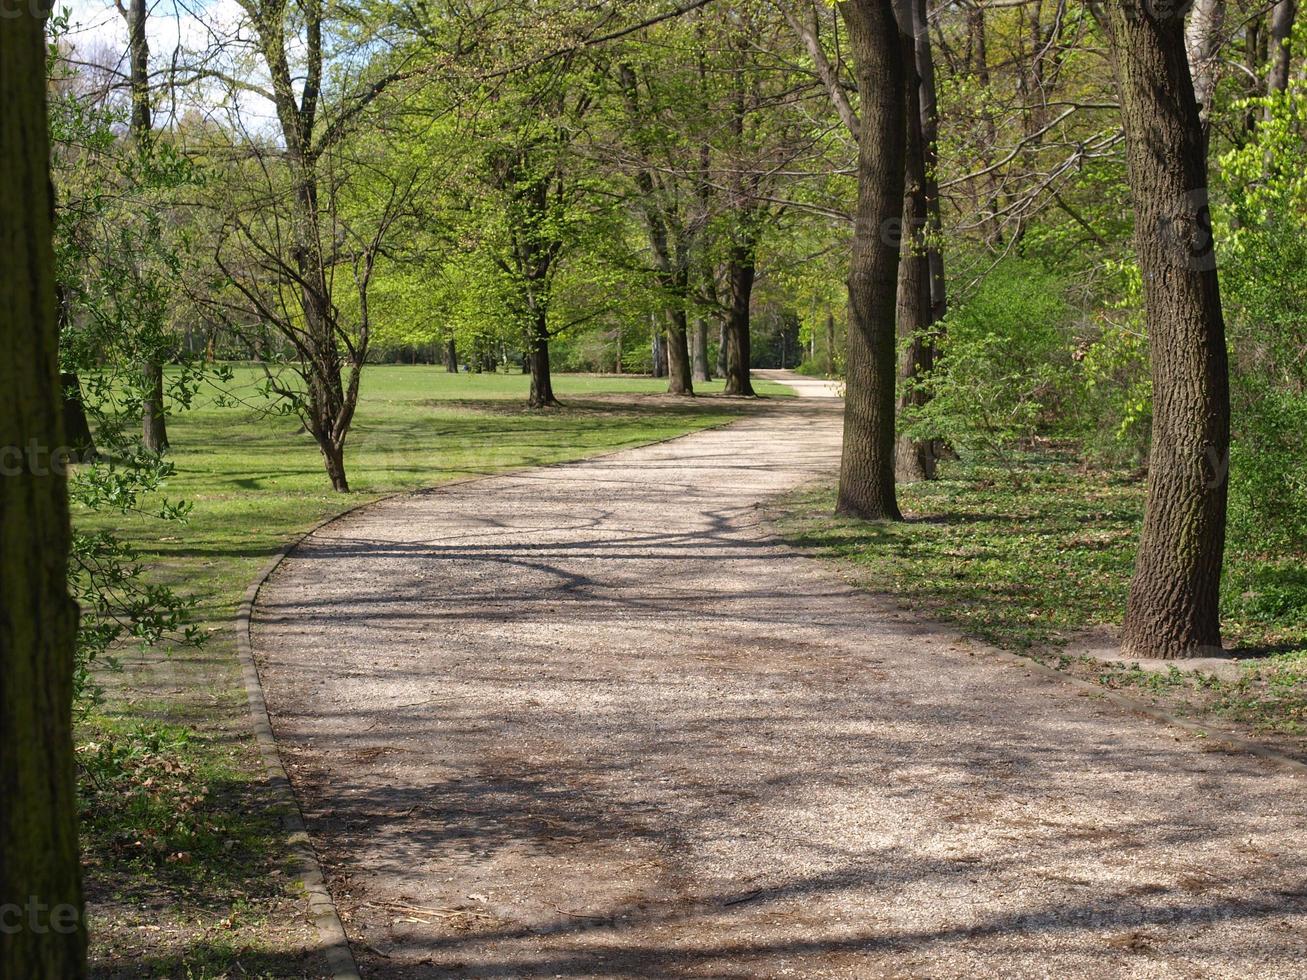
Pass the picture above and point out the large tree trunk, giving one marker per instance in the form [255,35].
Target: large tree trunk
[699,351]
[866,486]
[678,352]
[451,356]
[40,883]
[1173,605]
[542,384]
[740,275]
[914,460]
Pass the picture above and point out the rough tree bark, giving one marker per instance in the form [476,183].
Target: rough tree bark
[866,487]
[542,382]
[1172,609]
[39,869]
[914,460]
[451,356]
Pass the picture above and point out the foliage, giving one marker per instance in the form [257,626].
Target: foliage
[1003,368]
[117,247]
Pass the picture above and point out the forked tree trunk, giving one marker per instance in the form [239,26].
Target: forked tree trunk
[699,351]
[542,383]
[740,275]
[40,881]
[1173,608]
[914,459]
[866,487]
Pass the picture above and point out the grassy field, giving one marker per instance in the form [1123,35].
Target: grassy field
[1035,569]
[186,870]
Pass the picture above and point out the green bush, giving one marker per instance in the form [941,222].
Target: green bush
[1004,366]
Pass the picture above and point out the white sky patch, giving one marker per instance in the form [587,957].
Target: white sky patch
[180,32]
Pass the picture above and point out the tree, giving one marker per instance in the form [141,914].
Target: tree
[914,458]
[39,869]
[154,429]
[866,487]
[1173,607]
[294,227]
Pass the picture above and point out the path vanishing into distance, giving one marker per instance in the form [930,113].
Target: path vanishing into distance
[592,720]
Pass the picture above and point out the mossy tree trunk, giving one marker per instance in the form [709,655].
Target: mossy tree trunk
[1173,607]
[866,487]
[39,870]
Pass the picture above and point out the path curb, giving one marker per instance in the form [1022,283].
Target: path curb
[322,907]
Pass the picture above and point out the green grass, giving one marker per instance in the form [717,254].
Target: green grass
[175,719]
[1028,569]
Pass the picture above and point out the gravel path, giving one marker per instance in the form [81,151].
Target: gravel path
[592,721]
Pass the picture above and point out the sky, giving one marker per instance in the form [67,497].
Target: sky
[192,24]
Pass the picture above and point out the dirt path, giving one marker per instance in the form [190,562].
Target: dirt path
[591,721]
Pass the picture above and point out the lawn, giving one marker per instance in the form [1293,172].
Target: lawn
[186,869]
[1036,567]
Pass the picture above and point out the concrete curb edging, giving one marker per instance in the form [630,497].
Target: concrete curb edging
[322,907]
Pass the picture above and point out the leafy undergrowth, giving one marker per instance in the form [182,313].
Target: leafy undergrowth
[185,863]
[1034,564]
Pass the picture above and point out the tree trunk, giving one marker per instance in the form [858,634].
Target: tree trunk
[914,460]
[542,384]
[333,456]
[830,343]
[40,881]
[699,351]
[659,353]
[740,275]
[723,341]
[678,354]
[154,433]
[451,356]
[77,430]
[1282,18]
[154,428]
[1173,605]
[866,487]
[1203,46]
[925,60]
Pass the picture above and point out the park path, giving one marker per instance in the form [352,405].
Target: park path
[593,721]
